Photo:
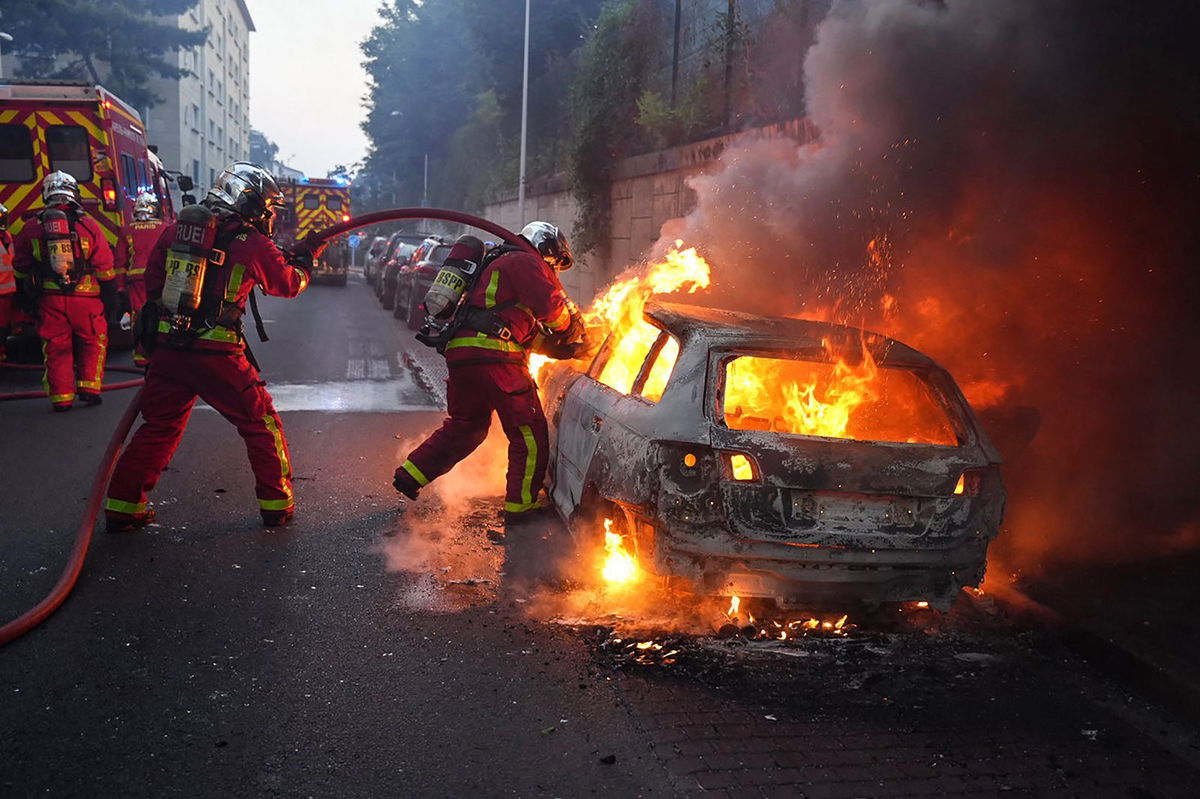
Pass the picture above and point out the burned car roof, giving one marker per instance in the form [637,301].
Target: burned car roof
[735,327]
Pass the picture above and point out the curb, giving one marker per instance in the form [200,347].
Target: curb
[421,372]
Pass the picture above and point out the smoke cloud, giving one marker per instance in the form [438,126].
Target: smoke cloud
[1012,188]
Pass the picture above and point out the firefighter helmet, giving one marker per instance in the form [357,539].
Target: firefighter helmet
[59,188]
[3,216]
[145,207]
[250,192]
[550,242]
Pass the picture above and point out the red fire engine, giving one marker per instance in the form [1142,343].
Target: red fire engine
[89,133]
[315,204]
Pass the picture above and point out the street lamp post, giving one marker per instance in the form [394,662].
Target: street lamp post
[4,37]
[524,122]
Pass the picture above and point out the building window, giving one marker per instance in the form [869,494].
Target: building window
[196,172]
[212,176]
[195,117]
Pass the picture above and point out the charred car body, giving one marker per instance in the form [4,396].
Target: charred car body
[697,440]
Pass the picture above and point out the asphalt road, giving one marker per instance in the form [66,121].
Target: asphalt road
[364,650]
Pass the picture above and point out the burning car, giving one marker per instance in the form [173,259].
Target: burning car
[801,461]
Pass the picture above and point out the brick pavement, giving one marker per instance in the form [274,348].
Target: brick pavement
[1019,726]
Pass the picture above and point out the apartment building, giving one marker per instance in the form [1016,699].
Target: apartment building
[203,122]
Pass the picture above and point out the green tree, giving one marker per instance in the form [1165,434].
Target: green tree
[118,43]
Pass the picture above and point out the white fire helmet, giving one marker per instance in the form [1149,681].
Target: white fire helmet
[59,188]
[550,242]
[145,207]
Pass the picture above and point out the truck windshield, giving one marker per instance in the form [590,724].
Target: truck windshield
[845,397]
[68,148]
[16,154]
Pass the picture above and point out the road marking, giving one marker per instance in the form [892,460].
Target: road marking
[350,396]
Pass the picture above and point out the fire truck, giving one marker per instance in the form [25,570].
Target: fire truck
[315,204]
[88,132]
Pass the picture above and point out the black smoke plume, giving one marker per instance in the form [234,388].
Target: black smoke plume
[1011,187]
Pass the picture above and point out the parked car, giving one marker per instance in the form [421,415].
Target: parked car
[413,281]
[371,260]
[391,271]
[688,434]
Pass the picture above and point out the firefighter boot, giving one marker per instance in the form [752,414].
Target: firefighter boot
[277,518]
[125,522]
[90,398]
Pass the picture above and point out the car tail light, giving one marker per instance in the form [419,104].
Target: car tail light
[968,483]
[741,467]
[108,193]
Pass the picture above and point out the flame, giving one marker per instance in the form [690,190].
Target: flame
[734,604]
[619,312]
[620,567]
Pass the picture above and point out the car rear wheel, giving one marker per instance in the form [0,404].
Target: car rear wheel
[400,300]
[416,316]
[388,298]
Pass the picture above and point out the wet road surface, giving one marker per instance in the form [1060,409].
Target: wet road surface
[365,651]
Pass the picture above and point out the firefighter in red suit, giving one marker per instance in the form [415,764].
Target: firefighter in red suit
[203,353]
[64,260]
[8,281]
[516,298]
[144,234]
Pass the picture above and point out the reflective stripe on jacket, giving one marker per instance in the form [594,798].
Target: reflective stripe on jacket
[28,257]
[526,292]
[251,259]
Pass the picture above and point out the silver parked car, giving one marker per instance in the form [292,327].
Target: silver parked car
[748,455]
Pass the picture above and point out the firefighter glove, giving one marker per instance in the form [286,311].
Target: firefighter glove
[113,306]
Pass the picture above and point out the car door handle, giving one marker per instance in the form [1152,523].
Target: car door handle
[596,424]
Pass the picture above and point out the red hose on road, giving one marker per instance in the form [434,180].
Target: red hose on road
[83,537]
[41,394]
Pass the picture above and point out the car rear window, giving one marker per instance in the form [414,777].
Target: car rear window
[68,149]
[839,399]
[16,154]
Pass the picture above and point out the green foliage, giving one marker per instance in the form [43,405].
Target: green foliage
[613,69]
[121,44]
[446,81]
[666,126]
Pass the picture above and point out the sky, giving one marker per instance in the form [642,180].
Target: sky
[306,79]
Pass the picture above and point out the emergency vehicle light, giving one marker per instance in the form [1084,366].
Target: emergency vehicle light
[108,192]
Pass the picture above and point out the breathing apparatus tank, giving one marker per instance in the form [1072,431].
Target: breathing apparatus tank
[60,246]
[188,260]
[452,283]
[449,285]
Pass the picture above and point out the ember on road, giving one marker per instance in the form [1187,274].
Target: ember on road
[370,649]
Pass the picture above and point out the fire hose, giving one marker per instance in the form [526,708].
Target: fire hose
[20,395]
[87,525]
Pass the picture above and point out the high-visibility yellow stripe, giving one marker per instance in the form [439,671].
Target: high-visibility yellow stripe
[531,449]
[493,284]
[59,399]
[561,321]
[222,334]
[521,507]
[285,466]
[484,342]
[120,506]
[235,282]
[275,504]
[416,473]
[7,116]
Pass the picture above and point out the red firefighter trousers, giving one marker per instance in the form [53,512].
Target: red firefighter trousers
[230,384]
[473,392]
[75,340]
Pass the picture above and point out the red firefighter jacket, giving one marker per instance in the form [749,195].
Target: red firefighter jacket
[251,259]
[527,292]
[143,235]
[8,280]
[30,253]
